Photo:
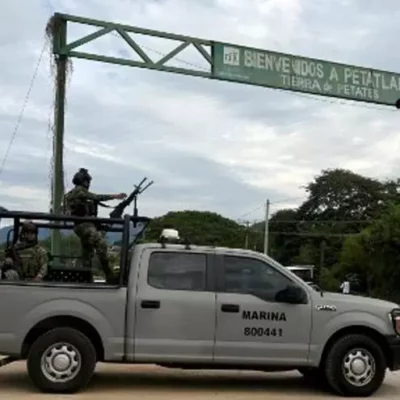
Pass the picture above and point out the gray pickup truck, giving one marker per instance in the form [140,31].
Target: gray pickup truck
[185,306]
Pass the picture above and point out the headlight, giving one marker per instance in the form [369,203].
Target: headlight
[395,318]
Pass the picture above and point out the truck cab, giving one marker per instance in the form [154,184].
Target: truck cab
[180,305]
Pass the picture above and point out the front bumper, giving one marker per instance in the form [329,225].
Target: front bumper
[393,342]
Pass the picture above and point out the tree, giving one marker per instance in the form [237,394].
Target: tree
[199,227]
[374,254]
[328,280]
[284,246]
[342,195]
[341,202]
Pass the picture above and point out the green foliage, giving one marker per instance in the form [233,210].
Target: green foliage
[374,254]
[307,254]
[70,245]
[341,202]
[328,281]
[284,247]
[343,195]
[348,227]
[202,228]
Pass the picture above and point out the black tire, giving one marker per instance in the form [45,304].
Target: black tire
[75,343]
[335,374]
[315,377]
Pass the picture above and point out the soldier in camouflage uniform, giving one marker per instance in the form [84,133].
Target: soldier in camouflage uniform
[81,202]
[31,257]
[7,270]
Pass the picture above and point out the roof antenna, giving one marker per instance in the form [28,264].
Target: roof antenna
[186,243]
[162,240]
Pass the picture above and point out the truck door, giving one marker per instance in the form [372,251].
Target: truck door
[252,327]
[175,308]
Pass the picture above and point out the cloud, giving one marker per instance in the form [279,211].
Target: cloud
[206,144]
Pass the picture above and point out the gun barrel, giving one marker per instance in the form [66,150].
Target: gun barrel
[118,210]
[142,181]
[147,186]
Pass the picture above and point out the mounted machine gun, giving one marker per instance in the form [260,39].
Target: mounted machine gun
[118,210]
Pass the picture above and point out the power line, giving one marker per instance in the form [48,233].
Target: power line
[313,234]
[307,234]
[160,53]
[287,200]
[176,58]
[271,202]
[365,221]
[23,109]
[250,212]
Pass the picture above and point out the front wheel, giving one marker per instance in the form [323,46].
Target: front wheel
[61,361]
[355,366]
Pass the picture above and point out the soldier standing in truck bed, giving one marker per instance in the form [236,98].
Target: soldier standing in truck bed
[80,202]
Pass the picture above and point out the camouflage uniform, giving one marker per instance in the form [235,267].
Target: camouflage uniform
[32,257]
[33,262]
[7,270]
[81,202]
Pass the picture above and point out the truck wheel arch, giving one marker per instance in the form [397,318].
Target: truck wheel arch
[64,321]
[357,329]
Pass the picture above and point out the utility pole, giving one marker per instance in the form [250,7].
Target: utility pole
[246,239]
[322,248]
[266,227]
[60,40]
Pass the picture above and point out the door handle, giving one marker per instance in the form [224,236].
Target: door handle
[232,308]
[150,304]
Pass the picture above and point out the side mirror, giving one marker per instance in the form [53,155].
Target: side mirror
[292,294]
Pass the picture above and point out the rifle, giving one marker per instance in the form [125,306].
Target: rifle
[119,209]
[11,251]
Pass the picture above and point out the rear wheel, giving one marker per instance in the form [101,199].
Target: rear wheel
[61,361]
[355,366]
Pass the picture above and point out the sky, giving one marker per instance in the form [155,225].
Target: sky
[206,144]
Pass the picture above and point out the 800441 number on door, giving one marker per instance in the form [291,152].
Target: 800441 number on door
[260,331]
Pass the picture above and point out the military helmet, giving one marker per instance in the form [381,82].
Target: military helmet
[81,176]
[28,227]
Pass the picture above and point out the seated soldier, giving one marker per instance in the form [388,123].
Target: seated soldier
[7,271]
[29,260]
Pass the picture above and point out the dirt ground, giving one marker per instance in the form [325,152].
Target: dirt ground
[151,382]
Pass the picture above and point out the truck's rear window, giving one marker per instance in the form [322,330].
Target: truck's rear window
[177,271]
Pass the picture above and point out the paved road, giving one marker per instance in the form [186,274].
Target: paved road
[150,382]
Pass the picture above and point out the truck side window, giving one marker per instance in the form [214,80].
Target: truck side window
[177,271]
[246,275]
